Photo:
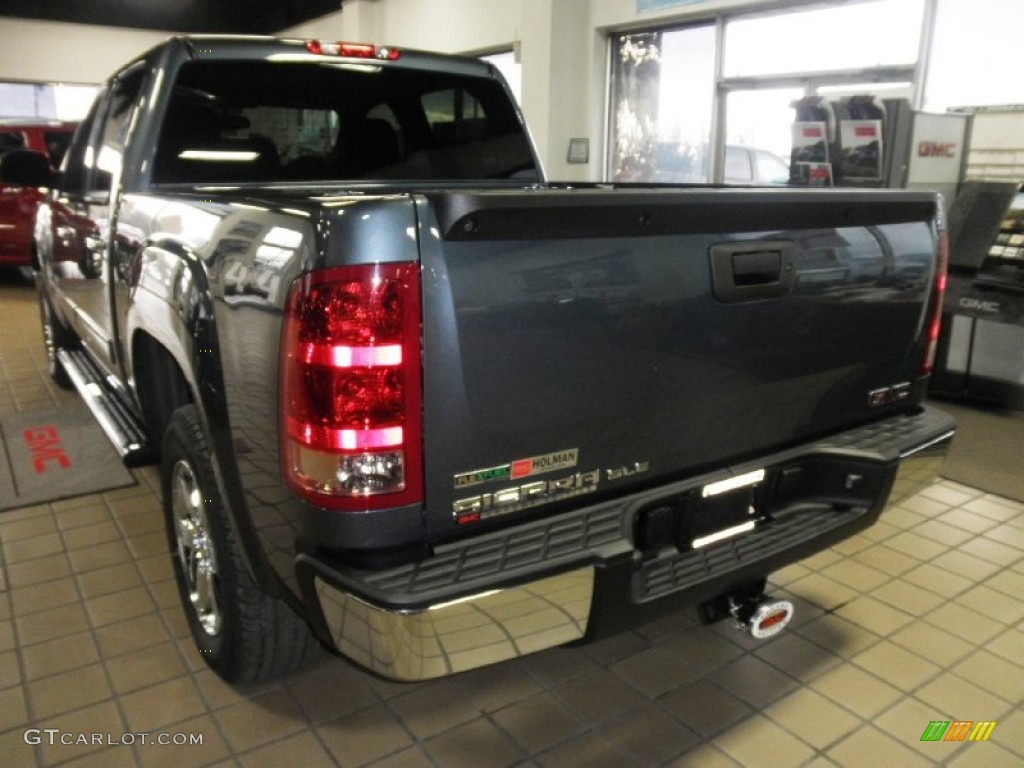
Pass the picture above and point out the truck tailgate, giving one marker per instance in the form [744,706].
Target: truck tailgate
[598,341]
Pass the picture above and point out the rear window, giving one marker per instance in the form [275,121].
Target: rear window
[306,121]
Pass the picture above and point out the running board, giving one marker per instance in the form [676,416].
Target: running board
[108,407]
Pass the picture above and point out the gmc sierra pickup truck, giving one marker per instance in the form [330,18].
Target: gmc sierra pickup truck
[413,401]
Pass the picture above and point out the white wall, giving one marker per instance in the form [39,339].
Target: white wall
[53,52]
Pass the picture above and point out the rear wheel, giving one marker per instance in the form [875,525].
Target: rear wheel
[244,634]
[56,336]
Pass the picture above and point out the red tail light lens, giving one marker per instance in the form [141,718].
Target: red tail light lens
[934,318]
[350,387]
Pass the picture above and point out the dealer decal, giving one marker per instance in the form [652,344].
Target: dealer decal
[520,468]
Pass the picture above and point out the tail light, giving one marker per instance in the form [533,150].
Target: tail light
[353,50]
[933,321]
[350,387]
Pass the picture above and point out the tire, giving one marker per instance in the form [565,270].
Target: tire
[56,336]
[242,633]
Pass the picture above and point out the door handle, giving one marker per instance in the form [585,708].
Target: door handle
[751,271]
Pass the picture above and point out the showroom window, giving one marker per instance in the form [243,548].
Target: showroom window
[661,104]
[674,117]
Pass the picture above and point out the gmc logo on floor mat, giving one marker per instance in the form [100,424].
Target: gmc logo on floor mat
[44,446]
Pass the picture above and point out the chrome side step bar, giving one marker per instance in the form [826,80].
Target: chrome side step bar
[108,407]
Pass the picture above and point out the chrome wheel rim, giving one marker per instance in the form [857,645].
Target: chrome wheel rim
[195,547]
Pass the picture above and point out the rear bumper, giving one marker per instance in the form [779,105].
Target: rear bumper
[597,569]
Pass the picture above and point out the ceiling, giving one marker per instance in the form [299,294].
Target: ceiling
[209,16]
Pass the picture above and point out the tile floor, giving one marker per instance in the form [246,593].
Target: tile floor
[919,619]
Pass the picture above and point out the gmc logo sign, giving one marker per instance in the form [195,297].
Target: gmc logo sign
[44,447]
[936,149]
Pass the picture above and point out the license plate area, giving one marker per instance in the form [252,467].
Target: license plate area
[719,511]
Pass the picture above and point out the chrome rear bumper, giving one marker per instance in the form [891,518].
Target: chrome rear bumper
[462,634]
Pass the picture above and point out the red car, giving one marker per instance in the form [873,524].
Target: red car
[18,204]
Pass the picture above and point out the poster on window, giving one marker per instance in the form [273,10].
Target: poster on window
[861,143]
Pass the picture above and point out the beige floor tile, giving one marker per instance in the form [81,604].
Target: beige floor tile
[995,674]
[649,735]
[968,521]
[839,636]
[14,749]
[111,609]
[10,670]
[1009,645]
[539,723]
[369,734]
[955,697]
[654,671]
[994,604]
[601,696]
[145,667]
[915,545]
[907,597]
[103,718]
[704,707]
[41,597]
[106,581]
[59,655]
[750,741]
[825,593]
[756,682]
[965,565]
[964,623]
[874,615]
[855,575]
[162,705]
[39,524]
[865,746]
[99,556]
[938,580]
[69,691]
[933,644]
[259,720]
[992,551]
[797,656]
[886,560]
[993,508]
[90,535]
[13,708]
[25,550]
[301,749]
[857,690]
[38,571]
[50,624]
[951,496]
[79,512]
[813,718]
[593,751]
[130,635]
[896,665]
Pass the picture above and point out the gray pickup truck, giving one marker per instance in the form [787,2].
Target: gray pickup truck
[413,401]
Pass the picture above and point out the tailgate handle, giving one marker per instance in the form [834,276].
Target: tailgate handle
[752,271]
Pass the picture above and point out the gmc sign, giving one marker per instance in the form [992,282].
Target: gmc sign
[936,149]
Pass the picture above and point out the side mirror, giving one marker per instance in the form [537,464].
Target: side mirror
[24,168]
